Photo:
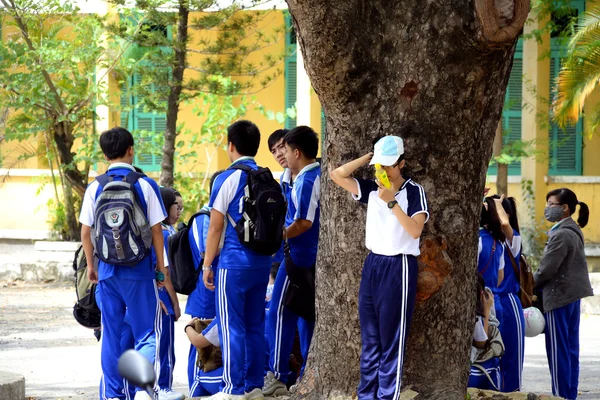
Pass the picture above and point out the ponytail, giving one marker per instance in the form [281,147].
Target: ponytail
[584,214]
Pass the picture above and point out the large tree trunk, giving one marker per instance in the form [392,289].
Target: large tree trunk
[502,169]
[434,73]
[168,163]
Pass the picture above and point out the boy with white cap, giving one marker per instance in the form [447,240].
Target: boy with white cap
[395,220]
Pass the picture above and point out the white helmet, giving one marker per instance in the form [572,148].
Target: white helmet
[534,322]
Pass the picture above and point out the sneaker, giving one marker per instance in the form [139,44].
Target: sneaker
[142,395]
[255,394]
[274,387]
[225,396]
[169,394]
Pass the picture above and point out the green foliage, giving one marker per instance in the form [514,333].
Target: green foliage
[560,17]
[218,112]
[533,231]
[221,43]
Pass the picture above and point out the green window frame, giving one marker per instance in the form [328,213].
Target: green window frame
[137,119]
[290,72]
[512,111]
[565,144]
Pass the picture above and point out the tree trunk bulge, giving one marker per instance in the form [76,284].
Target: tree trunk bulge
[436,73]
[502,169]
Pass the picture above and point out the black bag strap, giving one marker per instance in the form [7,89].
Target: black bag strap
[243,167]
[201,212]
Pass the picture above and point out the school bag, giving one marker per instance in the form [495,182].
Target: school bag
[183,271]
[524,276]
[121,233]
[85,310]
[263,213]
[209,358]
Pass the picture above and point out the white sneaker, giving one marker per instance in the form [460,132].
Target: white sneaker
[142,395]
[274,387]
[169,394]
[225,396]
[256,394]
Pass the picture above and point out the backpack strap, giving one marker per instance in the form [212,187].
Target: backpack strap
[513,261]
[491,258]
[243,167]
[480,367]
[104,179]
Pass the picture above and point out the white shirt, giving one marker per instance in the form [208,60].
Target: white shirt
[384,233]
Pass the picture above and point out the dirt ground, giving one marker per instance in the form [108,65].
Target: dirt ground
[40,340]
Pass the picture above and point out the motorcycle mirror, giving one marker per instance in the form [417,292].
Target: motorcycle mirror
[137,369]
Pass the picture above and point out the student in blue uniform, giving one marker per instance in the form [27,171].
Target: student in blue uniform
[277,148]
[564,280]
[243,274]
[485,364]
[507,302]
[490,262]
[170,305]
[201,302]
[205,383]
[131,289]
[302,232]
[395,221]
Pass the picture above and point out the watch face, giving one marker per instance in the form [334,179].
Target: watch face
[392,203]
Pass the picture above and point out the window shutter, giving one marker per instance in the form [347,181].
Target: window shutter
[512,111]
[565,144]
[290,72]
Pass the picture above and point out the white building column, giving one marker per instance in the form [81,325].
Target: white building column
[303,89]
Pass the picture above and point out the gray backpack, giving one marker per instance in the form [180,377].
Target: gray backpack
[121,232]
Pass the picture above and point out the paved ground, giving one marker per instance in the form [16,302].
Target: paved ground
[60,360]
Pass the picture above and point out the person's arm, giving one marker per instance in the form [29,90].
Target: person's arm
[487,300]
[502,265]
[554,254]
[88,249]
[417,209]
[215,230]
[158,245]
[168,283]
[298,227]
[305,199]
[504,221]
[197,339]
[341,175]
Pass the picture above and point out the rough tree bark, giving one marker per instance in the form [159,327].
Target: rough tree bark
[168,163]
[502,169]
[436,73]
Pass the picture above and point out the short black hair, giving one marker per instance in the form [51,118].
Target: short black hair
[276,136]
[245,136]
[305,139]
[212,179]
[115,142]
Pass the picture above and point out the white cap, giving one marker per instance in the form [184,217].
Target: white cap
[387,151]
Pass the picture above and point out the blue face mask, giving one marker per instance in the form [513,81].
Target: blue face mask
[553,213]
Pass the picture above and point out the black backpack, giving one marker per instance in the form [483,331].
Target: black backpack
[85,311]
[263,214]
[121,232]
[182,268]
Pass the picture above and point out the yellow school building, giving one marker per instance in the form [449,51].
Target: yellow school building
[565,157]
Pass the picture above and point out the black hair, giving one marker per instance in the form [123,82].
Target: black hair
[245,137]
[212,179]
[489,220]
[274,270]
[177,194]
[168,199]
[568,197]
[305,139]
[275,137]
[510,206]
[115,142]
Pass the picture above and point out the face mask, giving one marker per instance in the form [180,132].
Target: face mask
[553,213]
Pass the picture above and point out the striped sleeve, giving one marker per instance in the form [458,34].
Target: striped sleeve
[211,333]
[365,187]
[156,209]
[306,198]
[88,205]
[417,201]
[224,189]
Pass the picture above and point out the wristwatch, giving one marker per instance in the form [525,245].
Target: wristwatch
[206,267]
[392,203]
